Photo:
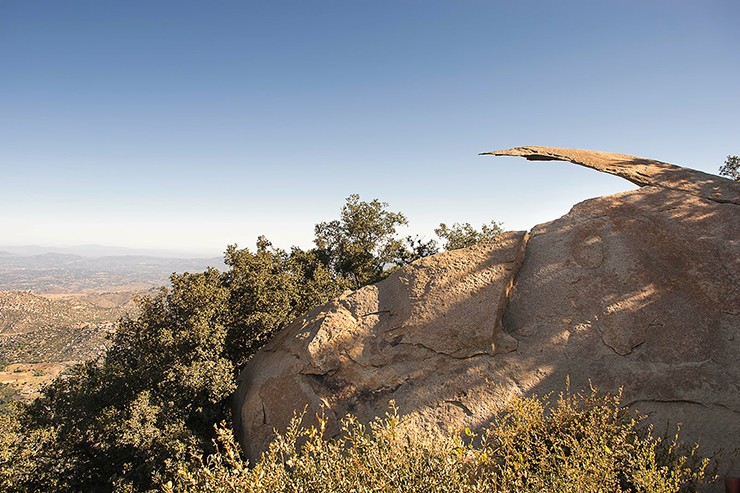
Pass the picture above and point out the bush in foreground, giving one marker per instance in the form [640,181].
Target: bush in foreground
[583,443]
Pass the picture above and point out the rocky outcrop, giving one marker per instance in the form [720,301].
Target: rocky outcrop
[640,171]
[637,291]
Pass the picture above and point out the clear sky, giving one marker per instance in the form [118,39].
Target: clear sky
[192,125]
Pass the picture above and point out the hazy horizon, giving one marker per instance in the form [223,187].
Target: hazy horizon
[189,126]
[95,250]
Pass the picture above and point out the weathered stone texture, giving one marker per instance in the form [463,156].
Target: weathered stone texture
[637,291]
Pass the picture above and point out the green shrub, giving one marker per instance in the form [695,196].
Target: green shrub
[581,443]
[7,395]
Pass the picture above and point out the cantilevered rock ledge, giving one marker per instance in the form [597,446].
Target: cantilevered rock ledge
[640,171]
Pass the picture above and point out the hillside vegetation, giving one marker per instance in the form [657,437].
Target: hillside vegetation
[40,336]
[584,443]
[144,416]
[22,312]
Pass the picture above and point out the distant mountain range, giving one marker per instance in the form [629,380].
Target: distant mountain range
[93,250]
[96,269]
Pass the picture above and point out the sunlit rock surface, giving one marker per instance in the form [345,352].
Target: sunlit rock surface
[637,291]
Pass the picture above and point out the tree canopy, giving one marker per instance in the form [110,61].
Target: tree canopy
[731,168]
[465,235]
[362,241]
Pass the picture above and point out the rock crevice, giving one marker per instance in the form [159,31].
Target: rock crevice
[502,339]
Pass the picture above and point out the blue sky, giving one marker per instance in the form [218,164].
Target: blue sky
[192,125]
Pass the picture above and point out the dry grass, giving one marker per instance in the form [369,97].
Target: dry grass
[26,379]
[583,443]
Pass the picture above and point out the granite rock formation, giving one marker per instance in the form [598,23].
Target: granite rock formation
[638,291]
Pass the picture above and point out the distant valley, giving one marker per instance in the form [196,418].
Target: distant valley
[57,308]
[51,271]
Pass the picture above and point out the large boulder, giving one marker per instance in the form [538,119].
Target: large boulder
[635,291]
